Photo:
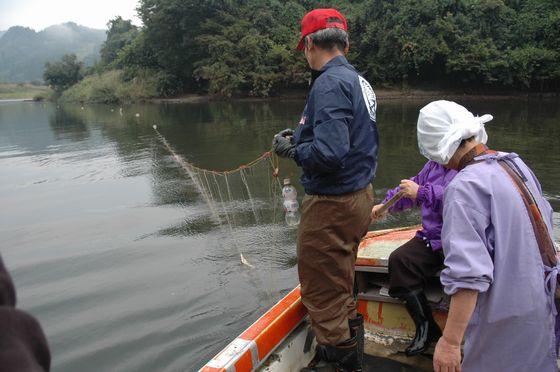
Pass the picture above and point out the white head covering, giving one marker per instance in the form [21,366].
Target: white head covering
[441,127]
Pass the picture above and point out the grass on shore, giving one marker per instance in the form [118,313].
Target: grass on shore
[24,91]
[110,87]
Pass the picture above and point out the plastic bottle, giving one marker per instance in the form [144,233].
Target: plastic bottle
[291,205]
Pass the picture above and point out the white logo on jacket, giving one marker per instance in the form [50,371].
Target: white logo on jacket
[369,97]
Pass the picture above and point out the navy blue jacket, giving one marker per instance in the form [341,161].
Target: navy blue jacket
[337,140]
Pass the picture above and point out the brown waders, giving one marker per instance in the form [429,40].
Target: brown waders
[329,233]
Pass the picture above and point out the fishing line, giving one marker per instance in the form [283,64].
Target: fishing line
[244,179]
[189,169]
[213,195]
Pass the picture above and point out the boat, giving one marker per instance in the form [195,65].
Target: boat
[278,340]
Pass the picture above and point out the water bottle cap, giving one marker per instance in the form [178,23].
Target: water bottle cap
[287,181]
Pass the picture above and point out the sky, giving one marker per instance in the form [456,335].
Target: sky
[38,14]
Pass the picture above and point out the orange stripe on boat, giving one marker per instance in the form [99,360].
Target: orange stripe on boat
[247,351]
[276,324]
[245,362]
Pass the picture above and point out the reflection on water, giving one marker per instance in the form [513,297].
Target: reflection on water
[115,251]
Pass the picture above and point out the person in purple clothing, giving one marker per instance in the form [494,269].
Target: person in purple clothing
[414,262]
[500,260]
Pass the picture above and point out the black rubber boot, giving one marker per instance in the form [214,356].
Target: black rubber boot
[357,327]
[320,362]
[344,357]
[427,330]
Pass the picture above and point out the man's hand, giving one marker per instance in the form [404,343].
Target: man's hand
[285,133]
[409,189]
[283,145]
[375,215]
[447,356]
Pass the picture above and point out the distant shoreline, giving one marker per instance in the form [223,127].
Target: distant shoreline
[11,100]
[382,94]
[15,92]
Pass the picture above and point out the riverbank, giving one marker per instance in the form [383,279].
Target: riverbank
[24,91]
[111,87]
[381,93]
[10,100]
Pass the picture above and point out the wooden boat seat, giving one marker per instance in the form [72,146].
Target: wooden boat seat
[373,254]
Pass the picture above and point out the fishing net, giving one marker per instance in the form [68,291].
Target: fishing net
[246,203]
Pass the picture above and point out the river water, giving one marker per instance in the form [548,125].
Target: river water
[111,246]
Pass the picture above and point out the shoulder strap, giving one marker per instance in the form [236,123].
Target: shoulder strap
[544,241]
[469,157]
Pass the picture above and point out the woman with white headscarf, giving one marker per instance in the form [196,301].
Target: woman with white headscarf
[502,300]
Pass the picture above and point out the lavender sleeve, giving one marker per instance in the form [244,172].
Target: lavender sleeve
[468,264]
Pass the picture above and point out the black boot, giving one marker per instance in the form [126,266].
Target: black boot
[320,362]
[427,329]
[343,357]
[357,326]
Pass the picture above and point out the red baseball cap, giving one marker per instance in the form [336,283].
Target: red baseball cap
[320,19]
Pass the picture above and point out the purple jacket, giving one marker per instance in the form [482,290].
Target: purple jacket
[433,179]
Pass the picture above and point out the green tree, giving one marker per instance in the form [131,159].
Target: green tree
[251,50]
[63,74]
[120,33]
[171,28]
[246,47]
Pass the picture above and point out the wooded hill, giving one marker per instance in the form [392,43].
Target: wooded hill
[247,47]
[24,52]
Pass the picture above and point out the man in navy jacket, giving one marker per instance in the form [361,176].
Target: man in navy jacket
[336,145]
